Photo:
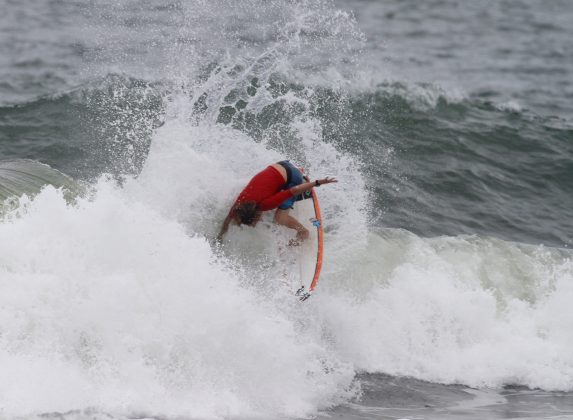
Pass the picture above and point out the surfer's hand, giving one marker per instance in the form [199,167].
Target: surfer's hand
[327,180]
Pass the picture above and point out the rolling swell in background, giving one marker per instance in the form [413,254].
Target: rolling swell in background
[116,302]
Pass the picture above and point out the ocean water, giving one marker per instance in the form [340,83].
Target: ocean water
[128,127]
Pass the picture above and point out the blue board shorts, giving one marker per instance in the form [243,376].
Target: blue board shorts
[294,178]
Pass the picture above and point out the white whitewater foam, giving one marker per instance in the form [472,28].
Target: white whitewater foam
[479,312]
[108,304]
[451,310]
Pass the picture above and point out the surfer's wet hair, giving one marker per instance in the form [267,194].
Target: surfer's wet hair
[246,212]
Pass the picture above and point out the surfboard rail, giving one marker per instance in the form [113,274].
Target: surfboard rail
[320,232]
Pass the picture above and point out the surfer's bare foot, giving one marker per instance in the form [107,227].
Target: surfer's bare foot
[301,235]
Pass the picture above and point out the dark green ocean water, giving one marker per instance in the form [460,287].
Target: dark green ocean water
[461,116]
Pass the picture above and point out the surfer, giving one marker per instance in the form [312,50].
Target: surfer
[276,187]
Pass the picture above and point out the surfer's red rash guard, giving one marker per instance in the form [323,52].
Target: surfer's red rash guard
[265,189]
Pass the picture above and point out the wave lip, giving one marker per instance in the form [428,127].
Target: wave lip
[28,177]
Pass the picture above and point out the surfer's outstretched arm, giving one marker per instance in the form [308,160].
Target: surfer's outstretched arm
[307,186]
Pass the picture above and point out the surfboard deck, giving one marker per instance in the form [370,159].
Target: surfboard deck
[310,251]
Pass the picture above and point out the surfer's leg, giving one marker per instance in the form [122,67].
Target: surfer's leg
[282,217]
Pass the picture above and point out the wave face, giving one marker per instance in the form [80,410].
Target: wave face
[446,240]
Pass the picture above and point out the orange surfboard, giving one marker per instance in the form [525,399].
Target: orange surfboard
[310,252]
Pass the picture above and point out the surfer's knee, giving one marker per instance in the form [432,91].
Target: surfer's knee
[281,216]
